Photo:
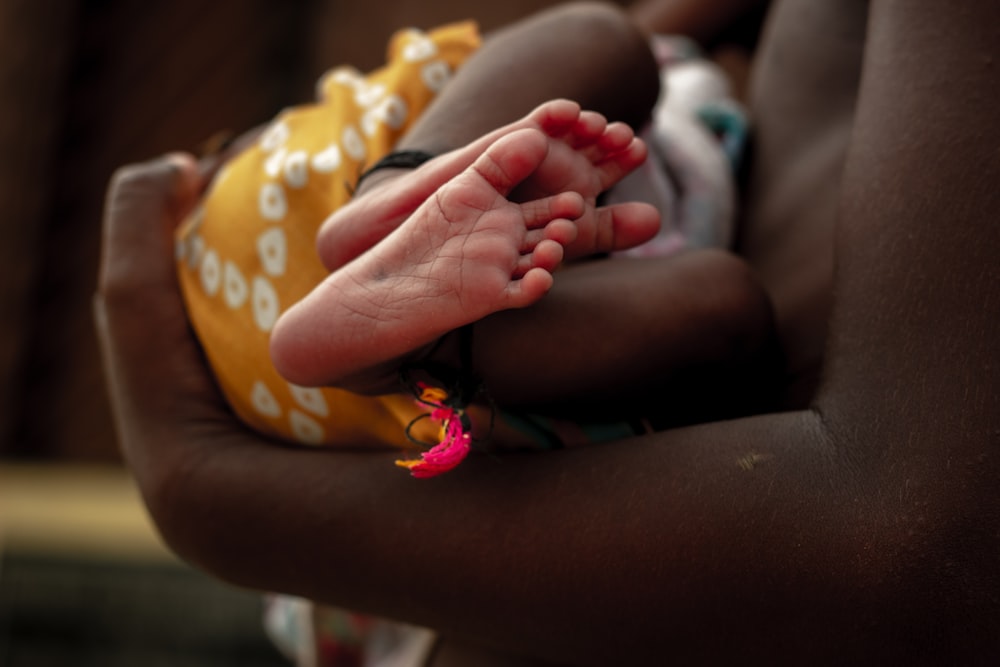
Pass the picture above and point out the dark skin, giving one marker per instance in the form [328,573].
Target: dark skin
[859,527]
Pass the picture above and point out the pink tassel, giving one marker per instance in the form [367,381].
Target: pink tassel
[454,446]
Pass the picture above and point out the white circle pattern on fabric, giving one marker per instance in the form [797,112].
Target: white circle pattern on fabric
[272,250]
[435,75]
[274,137]
[210,272]
[272,202]
[367,95]
[354,145]
[272,165]
[393,111]
[327,160]
[235,288]
[305,429]
[196,249]
[369,123]
[263,400]
[346,76]
[264,303]
[297,169]
[311,399]
[193,224]
[421,48]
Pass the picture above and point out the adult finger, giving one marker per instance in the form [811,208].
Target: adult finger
[153,363]
[144,204]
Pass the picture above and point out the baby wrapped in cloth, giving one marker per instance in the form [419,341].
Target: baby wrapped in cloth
[248,251]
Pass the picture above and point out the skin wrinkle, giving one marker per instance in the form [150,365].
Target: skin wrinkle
[434,274]
[477,238]
[368,324]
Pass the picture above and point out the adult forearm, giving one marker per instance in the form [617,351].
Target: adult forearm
[538,554]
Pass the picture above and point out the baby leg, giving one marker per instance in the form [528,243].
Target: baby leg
[465,253]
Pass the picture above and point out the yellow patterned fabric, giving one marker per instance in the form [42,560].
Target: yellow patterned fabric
[248,252]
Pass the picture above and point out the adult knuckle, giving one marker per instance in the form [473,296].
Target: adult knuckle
[131,175]
[139,182]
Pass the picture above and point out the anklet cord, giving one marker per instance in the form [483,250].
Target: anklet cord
[461,384]
[409,159]
[457,387]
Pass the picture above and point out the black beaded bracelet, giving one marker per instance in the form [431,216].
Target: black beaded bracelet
[396,160]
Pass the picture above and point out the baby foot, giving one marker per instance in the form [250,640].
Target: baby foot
[369,217]
[465,253]
[586,155]
[589,158]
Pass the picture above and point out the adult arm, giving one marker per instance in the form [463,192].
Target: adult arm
[861,530]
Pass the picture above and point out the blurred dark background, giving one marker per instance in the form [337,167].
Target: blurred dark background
[88,85]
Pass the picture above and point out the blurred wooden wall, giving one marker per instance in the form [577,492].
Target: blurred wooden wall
[88,85]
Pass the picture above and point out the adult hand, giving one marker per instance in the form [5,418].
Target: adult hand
[164,399]
[172,420]
[153,364]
